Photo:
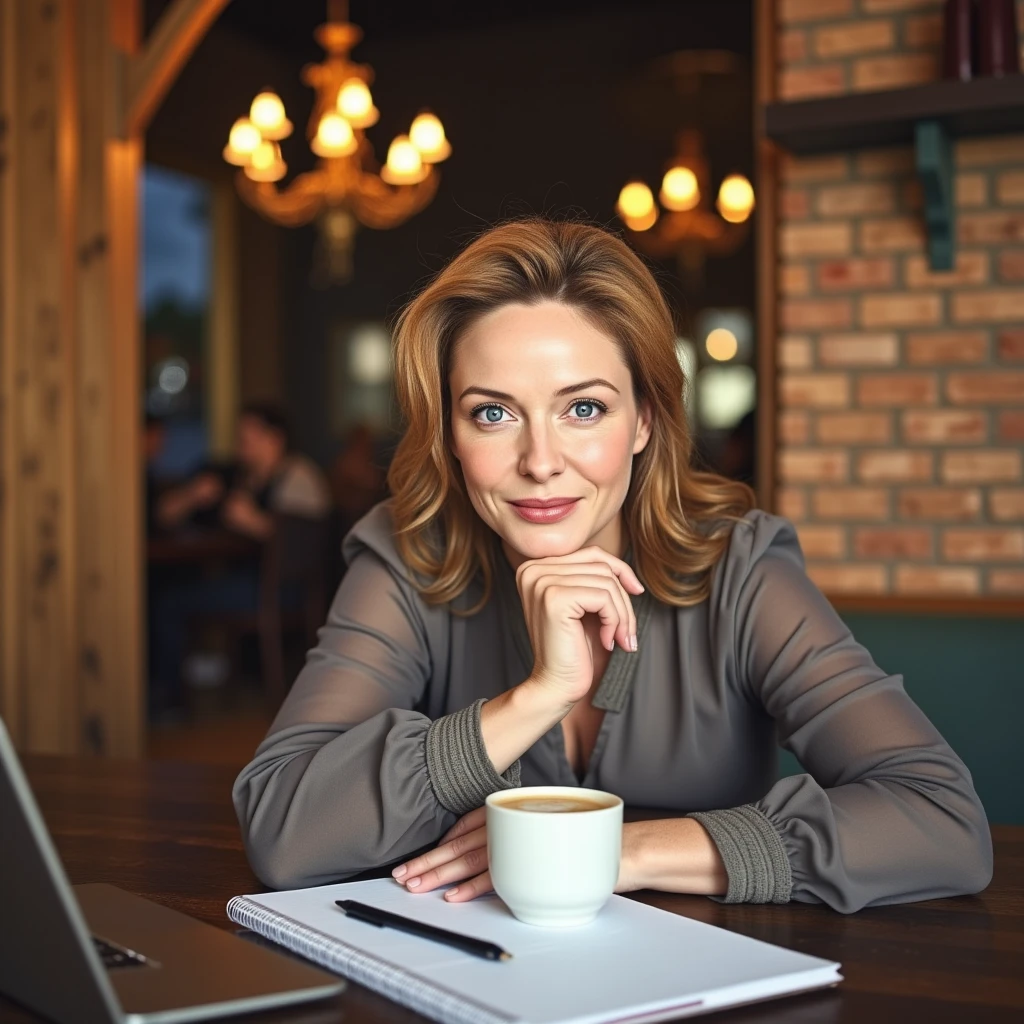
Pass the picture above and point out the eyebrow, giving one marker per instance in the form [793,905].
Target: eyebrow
[505,397]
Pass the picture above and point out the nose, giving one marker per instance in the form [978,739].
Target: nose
[541,456]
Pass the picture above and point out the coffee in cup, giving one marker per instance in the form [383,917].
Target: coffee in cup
[554,852]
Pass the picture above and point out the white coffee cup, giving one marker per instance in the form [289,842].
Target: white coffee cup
[553,867]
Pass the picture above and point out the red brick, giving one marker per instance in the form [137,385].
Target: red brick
[870,73]
[791,46]
[947,504]
[814,389]
[1010,188]
[983,545]
[990,149]
[945,426]
[811,10]
[933,581]
[833,238]
[900,310]
[900,466]
[822,541]
[990,227]
[794,427]
[1006,504]
[923,31]
[811,314]
[971,268]
[791,502]
[897,389]
[1010,345]
[856,199]
[850,37]
[855,273]
[809,466]
[991,387]
[849,579]
[858,350]
[804,169]
[803,83]
[1011,426]
[989,306]
[936,348]
[893,542]
[1006,581]
[851,503]
[794,203]
[1011,265]
[897,5]
[911,196]
[794,279]
[794,353]
[885,163]
[971,190]
[854,428]
[976,467]
[892,234]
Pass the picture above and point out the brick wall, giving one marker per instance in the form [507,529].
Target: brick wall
[901,391]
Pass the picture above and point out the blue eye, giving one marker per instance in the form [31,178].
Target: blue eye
[588,409]
[492,413]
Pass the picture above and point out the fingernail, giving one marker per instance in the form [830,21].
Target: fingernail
[413,883]
[451,892]
[632,642]
[399,871]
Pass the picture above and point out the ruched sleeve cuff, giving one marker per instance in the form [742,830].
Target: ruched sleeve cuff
[752,851]
[460,770]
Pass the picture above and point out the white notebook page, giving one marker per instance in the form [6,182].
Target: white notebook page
[634,961]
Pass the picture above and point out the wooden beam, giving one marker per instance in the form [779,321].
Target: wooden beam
[148,76]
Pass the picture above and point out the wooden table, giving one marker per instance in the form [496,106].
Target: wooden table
[167,831]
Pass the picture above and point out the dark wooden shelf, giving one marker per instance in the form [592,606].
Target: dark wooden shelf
[984,106]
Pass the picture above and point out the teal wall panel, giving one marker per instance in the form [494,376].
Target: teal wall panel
[967,675]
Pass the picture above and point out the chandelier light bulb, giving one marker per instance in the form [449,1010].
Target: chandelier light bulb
[242,142]
[735,199]
[334,137]
[266,163]
[427,135]
[355,103]
[404,165]
[679,189]
[721,344]
[636,202]
[267,113]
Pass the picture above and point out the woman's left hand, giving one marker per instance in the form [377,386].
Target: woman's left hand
[460,858]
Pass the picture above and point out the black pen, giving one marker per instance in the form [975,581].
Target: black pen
[385,919]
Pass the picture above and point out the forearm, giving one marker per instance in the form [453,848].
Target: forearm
[513,721]
[671,855]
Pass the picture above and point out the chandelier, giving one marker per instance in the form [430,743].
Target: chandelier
[347,187]
[685,227]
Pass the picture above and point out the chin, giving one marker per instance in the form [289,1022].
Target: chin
[534,541]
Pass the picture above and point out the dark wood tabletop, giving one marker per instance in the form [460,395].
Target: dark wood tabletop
[167,831]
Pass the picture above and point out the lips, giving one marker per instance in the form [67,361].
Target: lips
[544,510]
[543,502]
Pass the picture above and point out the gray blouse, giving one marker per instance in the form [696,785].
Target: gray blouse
[377,749]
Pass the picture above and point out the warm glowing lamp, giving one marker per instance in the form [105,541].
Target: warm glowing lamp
[266,163]
[679,189]
[242,142]
[721,344]
[267,114]
[355,103]
[334,137]
[404,165]
[427,135]
[635,201]
[735,199]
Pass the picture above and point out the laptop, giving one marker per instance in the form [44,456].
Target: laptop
[95,954]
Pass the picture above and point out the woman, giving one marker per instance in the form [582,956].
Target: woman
[553,596]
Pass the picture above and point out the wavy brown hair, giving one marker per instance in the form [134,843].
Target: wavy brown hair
[678,518]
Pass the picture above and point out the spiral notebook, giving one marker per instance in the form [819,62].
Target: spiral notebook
[634,963]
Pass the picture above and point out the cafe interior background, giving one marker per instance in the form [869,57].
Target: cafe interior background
[170,251]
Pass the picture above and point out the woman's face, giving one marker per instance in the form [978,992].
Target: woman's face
[542,408]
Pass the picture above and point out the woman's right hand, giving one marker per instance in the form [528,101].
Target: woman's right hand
[557,592]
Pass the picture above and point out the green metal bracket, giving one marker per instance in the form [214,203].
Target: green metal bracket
[934,159]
